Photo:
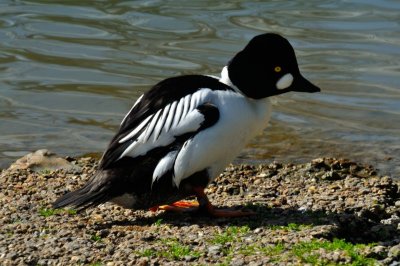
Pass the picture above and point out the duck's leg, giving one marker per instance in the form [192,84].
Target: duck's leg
[203,205]
[179,206]
[206,206]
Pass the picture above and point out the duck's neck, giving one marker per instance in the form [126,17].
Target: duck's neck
[226,80]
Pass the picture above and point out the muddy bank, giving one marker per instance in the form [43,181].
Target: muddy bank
[325,211]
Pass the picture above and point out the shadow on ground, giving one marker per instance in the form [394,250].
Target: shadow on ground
[354,228]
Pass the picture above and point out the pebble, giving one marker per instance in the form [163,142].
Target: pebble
[237,262]
[214,250]
[394,252]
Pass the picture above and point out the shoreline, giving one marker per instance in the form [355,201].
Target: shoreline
[324,211]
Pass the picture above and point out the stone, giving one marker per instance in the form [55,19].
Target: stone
[214,250]
[394,252]
[237,262]
[42,160]
[331,175]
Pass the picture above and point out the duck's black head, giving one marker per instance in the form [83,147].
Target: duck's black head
[267,66]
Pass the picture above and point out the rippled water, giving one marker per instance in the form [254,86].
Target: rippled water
[70,70]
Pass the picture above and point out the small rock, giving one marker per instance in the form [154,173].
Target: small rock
[189,258]
[42,160]
[382,231]
[394,252]
[312,189]
[377,252]
[257,182]
[331,175]
[255,263]
[74,259]
[258,230]
[237,262]
[143,262]
[214,250]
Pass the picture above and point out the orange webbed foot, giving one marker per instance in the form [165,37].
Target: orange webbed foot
[203,205]
[179,206]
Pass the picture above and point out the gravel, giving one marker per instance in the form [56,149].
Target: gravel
[325,211]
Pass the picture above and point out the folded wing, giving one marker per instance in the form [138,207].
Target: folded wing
[173,124]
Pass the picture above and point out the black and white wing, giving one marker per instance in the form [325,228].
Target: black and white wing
[173,110]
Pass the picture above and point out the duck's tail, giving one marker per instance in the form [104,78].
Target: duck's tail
[93,193]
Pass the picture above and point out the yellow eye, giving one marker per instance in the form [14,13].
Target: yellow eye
[277,69]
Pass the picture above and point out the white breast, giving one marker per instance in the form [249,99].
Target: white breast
[240,120]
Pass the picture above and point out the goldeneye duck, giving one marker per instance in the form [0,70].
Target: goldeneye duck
[180,135]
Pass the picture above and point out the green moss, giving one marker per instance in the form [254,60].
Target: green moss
[305,251]
[45,171]
[47,212]
[171,249]
[72,211]
[97,263]
[231,234]
[158,222]
[290,227]
[177,250]
[96,238]
[273,250]
[147,253]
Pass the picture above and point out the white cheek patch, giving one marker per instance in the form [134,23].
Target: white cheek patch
[284,82]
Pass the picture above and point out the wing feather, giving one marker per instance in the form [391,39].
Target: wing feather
[186,105]
[150,128]
[136,130]
[162,129]
[193,103]
[170,118]
[160,125]
[178,113]
[134,105]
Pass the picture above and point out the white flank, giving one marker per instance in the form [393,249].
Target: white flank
[165,164]
[285,81]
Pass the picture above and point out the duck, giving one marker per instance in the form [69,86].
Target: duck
[182,133]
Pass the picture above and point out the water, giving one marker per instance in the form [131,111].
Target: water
[70,70]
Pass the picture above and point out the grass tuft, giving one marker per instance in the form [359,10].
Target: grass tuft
[47,212]
[231,234]
[171,249]
[96,238]
[290,227]
[306,251]
[158,222]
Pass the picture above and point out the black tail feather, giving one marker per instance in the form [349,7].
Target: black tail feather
[93,193]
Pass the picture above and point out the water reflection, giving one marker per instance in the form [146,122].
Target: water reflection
[70,70]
